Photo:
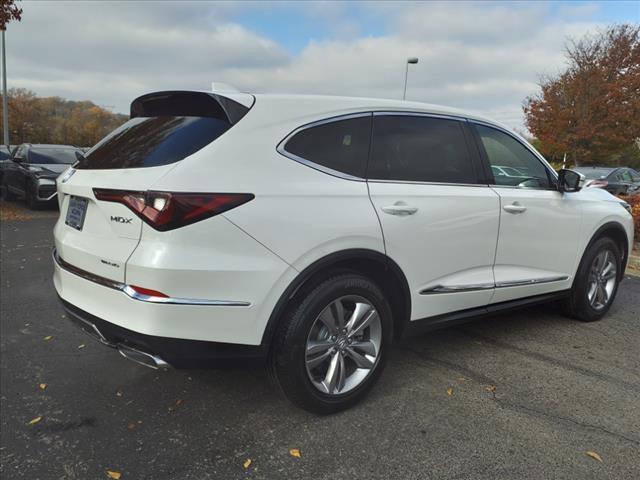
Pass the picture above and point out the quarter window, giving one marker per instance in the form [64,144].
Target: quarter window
[511,162]
[342,145]
[419,149]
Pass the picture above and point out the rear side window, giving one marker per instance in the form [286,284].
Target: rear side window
[153,141]
[419,149]
[342,146]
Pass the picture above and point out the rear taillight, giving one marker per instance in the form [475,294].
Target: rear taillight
[169,210]
[598,183]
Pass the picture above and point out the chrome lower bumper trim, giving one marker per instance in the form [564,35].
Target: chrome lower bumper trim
[131,293]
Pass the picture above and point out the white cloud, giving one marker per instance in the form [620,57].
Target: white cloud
[484,57]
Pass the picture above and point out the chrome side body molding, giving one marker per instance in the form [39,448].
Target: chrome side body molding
[489,286]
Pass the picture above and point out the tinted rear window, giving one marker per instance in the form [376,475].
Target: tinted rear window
[342,145]
[153,141]
[52,155]
[419,149]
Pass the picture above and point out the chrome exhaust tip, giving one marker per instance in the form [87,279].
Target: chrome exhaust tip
[142,358]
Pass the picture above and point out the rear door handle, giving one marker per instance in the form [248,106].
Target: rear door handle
[399,208]
[515,208]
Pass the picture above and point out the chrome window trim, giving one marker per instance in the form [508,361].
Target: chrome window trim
[489,286]
[443,184]
[131,293]
[280,148]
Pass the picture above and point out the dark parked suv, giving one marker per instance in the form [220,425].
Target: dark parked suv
[33,170]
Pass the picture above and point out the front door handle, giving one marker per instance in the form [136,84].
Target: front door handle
[515,208]
[399,208]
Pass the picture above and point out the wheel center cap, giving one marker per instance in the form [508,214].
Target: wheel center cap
[342,342]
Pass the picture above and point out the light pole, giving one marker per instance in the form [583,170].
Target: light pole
[412,60]
[5,100]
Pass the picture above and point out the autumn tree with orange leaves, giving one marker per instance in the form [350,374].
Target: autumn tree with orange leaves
[591,112]
[56,120]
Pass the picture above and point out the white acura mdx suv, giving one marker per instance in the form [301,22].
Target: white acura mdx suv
[309,232]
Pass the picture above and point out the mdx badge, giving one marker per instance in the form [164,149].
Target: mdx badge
[121,219]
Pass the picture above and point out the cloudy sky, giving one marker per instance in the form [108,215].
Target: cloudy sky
[485,57]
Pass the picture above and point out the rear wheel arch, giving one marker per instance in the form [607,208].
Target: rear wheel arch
[374,265]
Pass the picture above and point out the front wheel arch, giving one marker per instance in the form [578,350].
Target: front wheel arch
[618,234]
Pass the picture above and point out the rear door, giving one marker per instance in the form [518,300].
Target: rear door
[165,128]
[440,224]
[539,226]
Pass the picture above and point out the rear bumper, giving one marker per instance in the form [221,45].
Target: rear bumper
[216,321]
[163,352]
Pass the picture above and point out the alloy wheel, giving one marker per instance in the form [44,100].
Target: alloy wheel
[602,279]
[343,345]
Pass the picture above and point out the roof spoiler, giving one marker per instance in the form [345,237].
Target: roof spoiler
[176,103]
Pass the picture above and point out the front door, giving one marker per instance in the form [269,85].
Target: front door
[539,226]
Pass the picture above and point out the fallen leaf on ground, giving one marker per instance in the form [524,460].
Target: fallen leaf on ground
[131,426]
[450,391]
[594,455]
[34,421]
[247,463]
[48,337]
[295,452]
[81,346]
[491,388]
[461,379]
[118,393]
[42,386]
[114,475]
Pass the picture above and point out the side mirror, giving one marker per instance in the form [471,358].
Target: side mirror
[570,181]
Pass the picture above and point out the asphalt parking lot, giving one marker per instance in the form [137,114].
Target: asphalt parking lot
[519,396]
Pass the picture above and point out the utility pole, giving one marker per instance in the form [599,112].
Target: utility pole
[5,99]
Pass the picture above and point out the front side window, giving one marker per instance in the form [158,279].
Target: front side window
[625,176]
[518,166]
[342,145]
[419,149]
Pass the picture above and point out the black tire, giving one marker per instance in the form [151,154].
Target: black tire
[288,365]
[578,305]
[30,198]
[6,194]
